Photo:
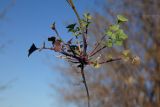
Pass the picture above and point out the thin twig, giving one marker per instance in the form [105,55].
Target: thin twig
[97,44]
[56,31]
[5,10]
[98,51]
[110,60]
[62,52]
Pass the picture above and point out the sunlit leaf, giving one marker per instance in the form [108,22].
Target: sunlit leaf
[114,27]
[118,42]
[87,16]
[126,55]
[108,33]
[109,43]
[116,35]
[121,19]
[96,65]
[126,52]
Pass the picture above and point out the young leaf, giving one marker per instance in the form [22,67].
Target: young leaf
[96,65]
[32,49]
[121,19]
[118,42]
[52,39]
[71,27]
[53,26]
[126,53]
[109,43]
[121,34]
[108,33]
[114,27]
[87,16]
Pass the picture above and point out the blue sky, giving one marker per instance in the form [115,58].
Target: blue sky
[26,22]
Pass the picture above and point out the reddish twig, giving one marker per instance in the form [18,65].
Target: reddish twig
[96,45]
[110,60]
[97,51]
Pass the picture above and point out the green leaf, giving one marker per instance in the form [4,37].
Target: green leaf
[115,33]
[71,27]
[109,43]
[32,49]
[114,27]
[118,42]
[126,55]
[84,23]
[108,33]
[122,35]
[121,19]
[113,36]
[87,16]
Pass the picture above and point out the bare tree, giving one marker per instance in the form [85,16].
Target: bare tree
[3,13]
[6,9]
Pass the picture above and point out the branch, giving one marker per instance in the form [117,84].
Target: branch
[98,51]
[110,60]
[70,55]
[85,83]
[96,45]
[70,2]
[5,10]
[55,29]
[72,51]
[58,34]
[62,52]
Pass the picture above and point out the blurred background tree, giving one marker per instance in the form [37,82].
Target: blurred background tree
[3,12]
[120,84]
